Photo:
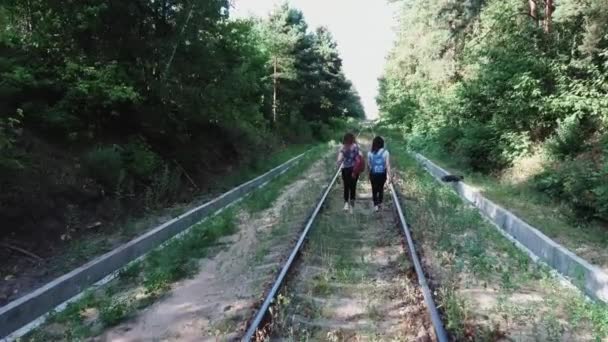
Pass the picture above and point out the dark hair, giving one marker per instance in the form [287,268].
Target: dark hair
[348,139]
[377,144]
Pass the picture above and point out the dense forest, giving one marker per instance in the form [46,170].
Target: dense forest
[488,82]
[112,107]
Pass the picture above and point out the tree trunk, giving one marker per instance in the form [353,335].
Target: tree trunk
[274,95]
[179,37]
[548,15]
[533,10]
[29,25]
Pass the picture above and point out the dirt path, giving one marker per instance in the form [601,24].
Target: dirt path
[354,282]
[216,303]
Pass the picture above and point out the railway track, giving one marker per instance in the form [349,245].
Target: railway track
[350,277]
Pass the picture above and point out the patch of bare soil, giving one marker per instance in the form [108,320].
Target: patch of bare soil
[354,281]
[216,303]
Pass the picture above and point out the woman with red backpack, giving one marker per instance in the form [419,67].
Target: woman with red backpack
[350,158]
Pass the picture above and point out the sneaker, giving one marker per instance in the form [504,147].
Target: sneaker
[376,208]
[346,206]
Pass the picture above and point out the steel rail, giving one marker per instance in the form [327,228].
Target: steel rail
[259,317]
[428,298]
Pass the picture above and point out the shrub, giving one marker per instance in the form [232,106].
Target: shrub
[105,165]
[321,131]
[140,160]
[113,313]
[514,145]
[479,148]
[448,136]
[163,189]
[579,184]
[8,159]
[418,141]
[567,140]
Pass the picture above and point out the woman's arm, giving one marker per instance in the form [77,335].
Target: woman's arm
[340,158]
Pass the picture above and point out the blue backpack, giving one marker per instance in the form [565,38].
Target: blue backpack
[377,162]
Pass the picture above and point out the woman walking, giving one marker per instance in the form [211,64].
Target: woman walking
[379,170]
[346,157]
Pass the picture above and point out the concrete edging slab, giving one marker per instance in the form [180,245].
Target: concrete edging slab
[31,306]
[591,279]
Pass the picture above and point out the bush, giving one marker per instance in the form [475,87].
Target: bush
[105,164]
[140,160]
[514,145]
[321,131]
[164,188]
[580,185]
[419,141]
[568,140]
[479,148]
[447,137]
[9,161]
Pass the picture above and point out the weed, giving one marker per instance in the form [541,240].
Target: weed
[455,312]
[321,286]
[112,313]
[373,311]
[105,164]
[554,328]
[131,272]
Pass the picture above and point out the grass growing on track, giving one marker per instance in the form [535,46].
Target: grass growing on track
[350,282]
[143,282]
[467,255]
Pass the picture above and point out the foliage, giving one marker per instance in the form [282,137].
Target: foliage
[566,141]
[145,93]
[485,82]
[85,80]
[580,183]
[139,159]
[9,161]
[105,164]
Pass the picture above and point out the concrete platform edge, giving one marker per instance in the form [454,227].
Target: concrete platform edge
[589,278]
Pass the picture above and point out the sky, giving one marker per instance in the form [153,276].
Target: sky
[362,29]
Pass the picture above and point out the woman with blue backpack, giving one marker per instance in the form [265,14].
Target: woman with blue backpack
[349,157]
[379,170]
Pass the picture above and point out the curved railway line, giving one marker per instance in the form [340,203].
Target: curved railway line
[350,277]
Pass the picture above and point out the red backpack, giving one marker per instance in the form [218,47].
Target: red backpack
[359,165]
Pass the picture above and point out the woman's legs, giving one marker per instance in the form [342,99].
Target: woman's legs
[350,185]
[374,181]
[378,181]
[381,183]
[345,183]
[347,179]
[353,189]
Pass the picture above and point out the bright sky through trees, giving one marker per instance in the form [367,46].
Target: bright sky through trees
[363,30]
